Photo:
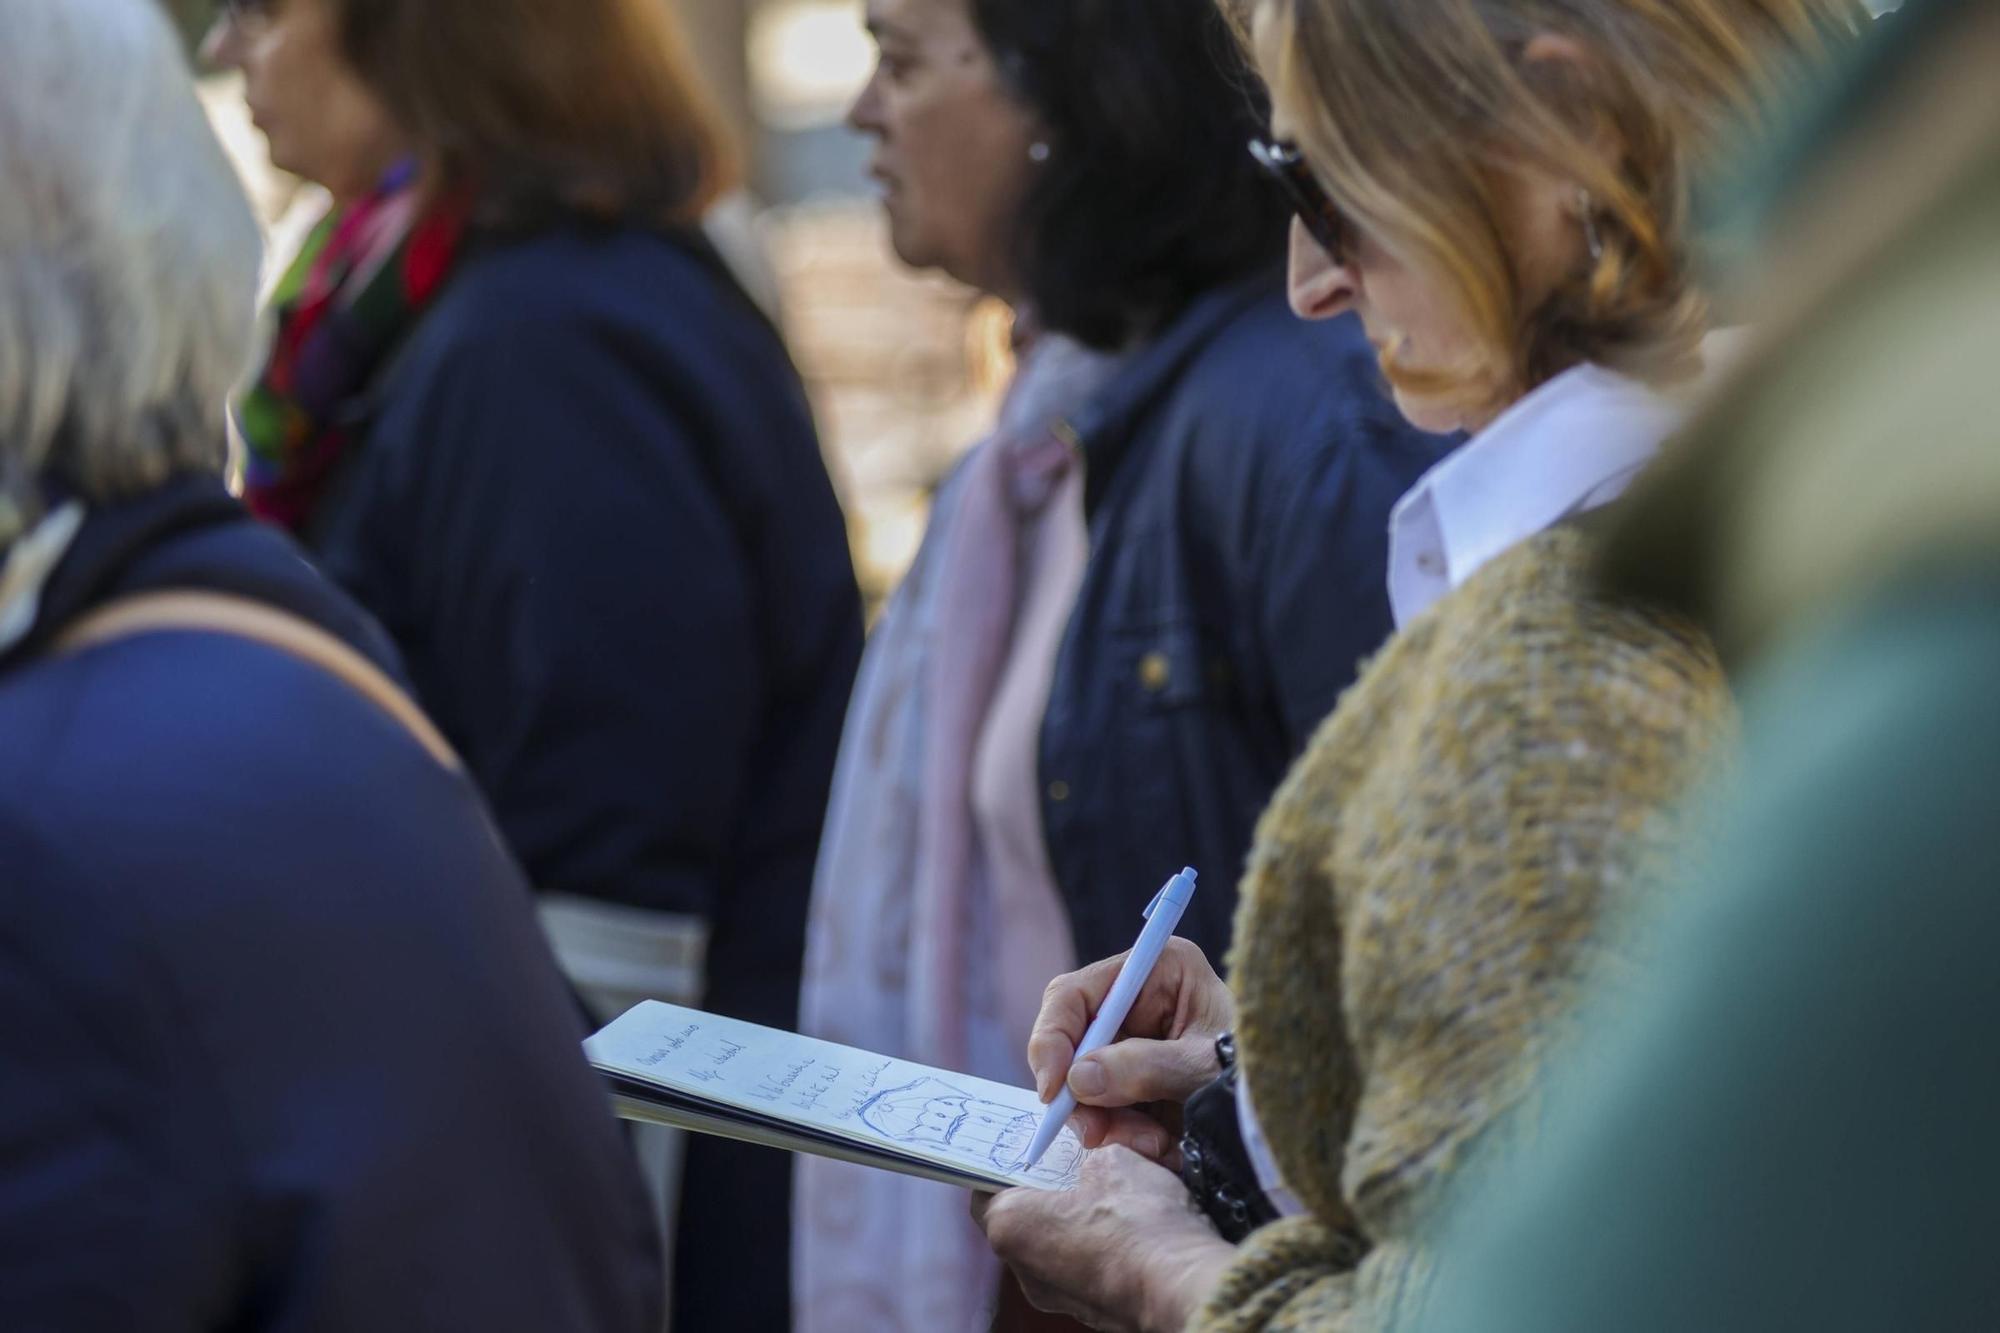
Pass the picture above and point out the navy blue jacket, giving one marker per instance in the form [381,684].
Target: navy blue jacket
[590,508]
[281,1047]
[589,505]
[1240,475]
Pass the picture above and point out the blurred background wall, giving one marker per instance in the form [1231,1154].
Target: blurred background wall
[903,368]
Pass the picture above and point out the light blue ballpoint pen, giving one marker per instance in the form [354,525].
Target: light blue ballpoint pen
[1162,915]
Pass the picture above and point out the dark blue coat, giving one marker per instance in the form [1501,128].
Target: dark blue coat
[281,1047]
[589,505]
[1240,478]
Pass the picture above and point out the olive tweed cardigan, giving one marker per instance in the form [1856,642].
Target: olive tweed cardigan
[1423,894]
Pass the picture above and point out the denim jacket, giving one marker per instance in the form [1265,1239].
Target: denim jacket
[1240,473]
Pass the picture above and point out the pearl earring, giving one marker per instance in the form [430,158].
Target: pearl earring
[1591,238]
[1038,152]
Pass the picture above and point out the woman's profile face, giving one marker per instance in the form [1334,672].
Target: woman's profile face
[1399,307]
[322,121]
[951,144]
[1413,313]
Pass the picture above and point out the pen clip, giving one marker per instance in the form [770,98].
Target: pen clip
[1183,880]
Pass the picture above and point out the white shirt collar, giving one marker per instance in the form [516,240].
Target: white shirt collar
[1572,445]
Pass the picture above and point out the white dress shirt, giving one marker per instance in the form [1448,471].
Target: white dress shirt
[1572,445]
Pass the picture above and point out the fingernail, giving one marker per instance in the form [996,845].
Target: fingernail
[1086,1079]
[1152,1145]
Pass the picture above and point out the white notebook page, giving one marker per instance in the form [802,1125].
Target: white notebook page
[875,1101]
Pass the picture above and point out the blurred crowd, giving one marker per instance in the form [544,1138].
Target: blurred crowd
[1506,488]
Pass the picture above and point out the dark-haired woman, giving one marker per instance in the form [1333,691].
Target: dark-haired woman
[520,411]
[1136,598]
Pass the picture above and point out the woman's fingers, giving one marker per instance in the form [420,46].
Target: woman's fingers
[1137,1070]
[1067,1007]
[1182,998]
[1129,1127]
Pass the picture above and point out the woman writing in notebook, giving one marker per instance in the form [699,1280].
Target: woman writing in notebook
[1499,188]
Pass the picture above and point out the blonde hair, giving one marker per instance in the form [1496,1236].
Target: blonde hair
[1416,112]
[128,257]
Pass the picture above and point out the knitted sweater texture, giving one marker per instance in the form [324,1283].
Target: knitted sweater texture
[1423,898]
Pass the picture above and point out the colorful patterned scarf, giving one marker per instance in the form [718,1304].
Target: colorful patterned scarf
[363,278]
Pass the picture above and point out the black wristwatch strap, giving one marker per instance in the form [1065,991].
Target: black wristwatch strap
[1214,1165]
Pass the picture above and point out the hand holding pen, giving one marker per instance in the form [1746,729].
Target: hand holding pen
[1165,1053]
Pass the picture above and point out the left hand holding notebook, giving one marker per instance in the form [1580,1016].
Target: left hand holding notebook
[1166,1054]
[1126,1248]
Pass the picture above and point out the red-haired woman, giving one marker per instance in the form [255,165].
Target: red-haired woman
[519,409]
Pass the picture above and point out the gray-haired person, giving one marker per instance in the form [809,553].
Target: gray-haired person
[282,1046]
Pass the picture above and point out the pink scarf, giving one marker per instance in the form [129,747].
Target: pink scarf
[935,918]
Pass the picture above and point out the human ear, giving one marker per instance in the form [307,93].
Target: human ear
[1567,74]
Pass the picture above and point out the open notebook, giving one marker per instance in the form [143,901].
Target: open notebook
[715,1075]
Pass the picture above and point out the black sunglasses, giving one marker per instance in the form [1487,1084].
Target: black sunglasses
[1323,218]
